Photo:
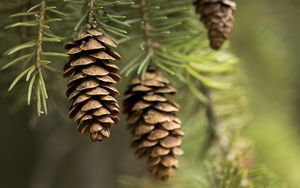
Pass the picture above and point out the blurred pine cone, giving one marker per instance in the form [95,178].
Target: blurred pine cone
[217,16]
[90,90]
[152,119]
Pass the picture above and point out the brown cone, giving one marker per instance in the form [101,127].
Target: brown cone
[90,90]
[217,16]
[155,127]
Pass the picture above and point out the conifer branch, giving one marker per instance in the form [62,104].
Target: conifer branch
[39,59]
[161,26]
[99,13]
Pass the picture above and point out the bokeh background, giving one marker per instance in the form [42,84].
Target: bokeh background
[49,152]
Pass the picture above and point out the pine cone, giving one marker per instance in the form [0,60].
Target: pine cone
[217,16]
[155,127]
[90,90]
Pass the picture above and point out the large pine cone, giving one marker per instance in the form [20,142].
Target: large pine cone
[90,90]
[217,16]
[155,127]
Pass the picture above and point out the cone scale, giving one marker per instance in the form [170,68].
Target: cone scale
[153,122]
[92,74]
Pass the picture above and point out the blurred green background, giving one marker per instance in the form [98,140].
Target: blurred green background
[266,39]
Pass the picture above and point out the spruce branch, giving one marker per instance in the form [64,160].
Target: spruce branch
[228,152]
[213,128]
[222,108]
[41,96]
[33,52]
[161,28]
[102,14]
[226,112]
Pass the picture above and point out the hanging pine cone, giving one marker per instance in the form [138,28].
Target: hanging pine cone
[217,16]
[90,90]
[155,127]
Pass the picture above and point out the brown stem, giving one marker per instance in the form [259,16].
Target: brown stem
[211,116]
[146,25]
[40,35]
[91,6]
[214,128]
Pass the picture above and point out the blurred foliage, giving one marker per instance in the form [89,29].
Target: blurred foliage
[269,54]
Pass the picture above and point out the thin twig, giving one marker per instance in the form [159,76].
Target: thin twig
[146,26]
[211,116]
[91,5]
[214,125]
[39,48]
